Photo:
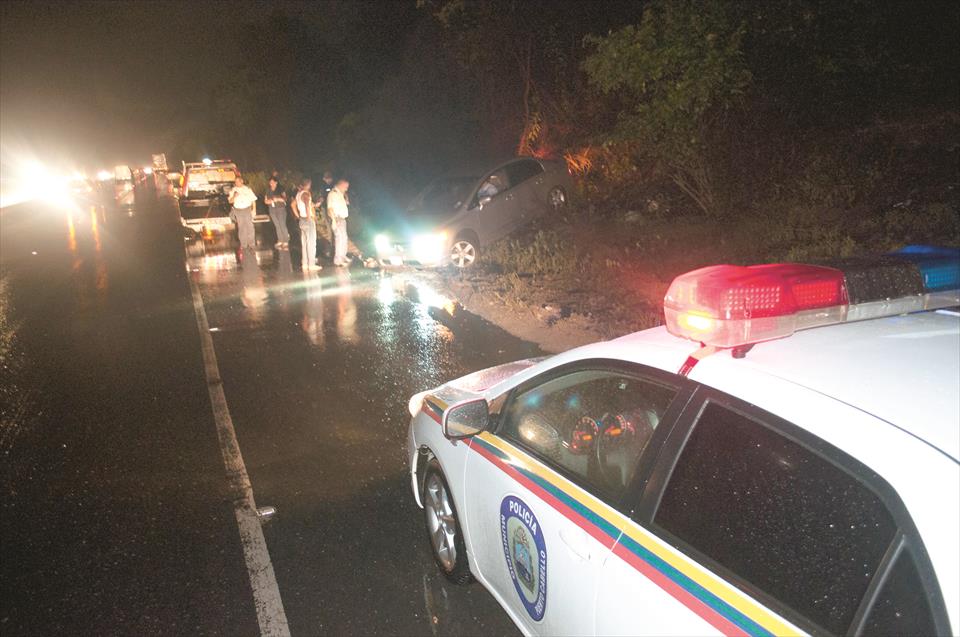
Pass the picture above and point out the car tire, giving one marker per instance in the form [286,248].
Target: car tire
[465,251]
[443,526]
[557,197]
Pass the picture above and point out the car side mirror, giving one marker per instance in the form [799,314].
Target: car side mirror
[465,419]
[484,201]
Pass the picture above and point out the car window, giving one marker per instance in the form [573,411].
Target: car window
[901,607]
[776,515]
[523,170]
[593,424]
[444,195]
[221,174]
[492,185]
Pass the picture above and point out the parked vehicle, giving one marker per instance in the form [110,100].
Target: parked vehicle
[781,458]
[159,162]
[206,182]
[458,215]
[123,191]
[205,187]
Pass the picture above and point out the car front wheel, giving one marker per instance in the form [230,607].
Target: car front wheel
[443,526]
[464,252]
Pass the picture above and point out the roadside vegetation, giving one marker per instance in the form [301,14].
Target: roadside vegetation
[876,190]
[713,132]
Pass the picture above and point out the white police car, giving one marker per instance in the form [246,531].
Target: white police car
[761,482]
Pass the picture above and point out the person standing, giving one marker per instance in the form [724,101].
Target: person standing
[327,185]
[337,209]
[243,200]
[305,210]
[324,233]
[276,199]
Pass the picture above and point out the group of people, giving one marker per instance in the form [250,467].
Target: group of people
[333,205]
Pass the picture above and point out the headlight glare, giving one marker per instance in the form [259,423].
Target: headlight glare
[428,248]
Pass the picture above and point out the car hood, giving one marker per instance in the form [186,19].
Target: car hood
[417,222]
[468,387]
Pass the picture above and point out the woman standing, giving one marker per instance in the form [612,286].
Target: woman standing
[276,199]
[305,210]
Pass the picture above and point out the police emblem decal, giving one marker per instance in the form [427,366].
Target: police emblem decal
[526,554]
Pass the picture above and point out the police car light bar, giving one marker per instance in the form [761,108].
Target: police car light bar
[731,306]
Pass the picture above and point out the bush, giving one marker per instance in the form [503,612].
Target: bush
[935,223]
[543,252]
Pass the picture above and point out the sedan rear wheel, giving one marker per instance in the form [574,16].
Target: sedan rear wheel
[443,526]
[463,254]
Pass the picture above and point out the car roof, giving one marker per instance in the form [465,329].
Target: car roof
[479,169]
[217,163]
[904,369]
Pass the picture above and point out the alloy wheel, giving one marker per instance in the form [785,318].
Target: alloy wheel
[463,254]
[441,522]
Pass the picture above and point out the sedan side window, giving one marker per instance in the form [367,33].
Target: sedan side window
[593,424]
[778,516]
[901,607]
[523,170]
[495,183]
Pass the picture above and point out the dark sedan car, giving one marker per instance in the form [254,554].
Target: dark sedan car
[456,216]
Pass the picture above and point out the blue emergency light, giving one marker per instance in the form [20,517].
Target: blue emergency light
[939,267]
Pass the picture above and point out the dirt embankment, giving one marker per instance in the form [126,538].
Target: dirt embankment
[550,326]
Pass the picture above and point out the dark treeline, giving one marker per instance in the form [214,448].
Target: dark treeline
[699,102]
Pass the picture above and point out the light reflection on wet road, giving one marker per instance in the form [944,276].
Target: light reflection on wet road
[317,369]
[114,510]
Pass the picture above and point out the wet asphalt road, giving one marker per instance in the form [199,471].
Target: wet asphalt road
[115,515]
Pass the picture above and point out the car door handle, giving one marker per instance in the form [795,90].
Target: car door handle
[577,542]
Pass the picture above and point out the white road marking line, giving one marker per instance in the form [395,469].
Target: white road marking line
[263,581]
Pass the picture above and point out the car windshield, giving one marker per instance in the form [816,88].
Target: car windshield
[212,175]
[221,174]
[443,195]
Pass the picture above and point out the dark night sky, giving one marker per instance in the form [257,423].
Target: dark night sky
[94,83]
[97,82]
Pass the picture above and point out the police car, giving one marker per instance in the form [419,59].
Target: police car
[783,457]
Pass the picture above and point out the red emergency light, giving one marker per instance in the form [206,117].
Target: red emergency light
[728,306]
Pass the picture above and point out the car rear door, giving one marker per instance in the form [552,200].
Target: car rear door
[497,216]
[751,525]
[543,488]
[527,179]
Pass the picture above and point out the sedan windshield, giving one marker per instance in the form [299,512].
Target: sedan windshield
[443,195]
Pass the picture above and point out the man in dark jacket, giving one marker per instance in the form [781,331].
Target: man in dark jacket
[276,200]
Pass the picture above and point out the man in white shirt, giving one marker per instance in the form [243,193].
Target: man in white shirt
[243,199]
[337,208]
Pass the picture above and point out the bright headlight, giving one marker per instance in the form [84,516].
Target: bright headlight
[381,242]
[428,248]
